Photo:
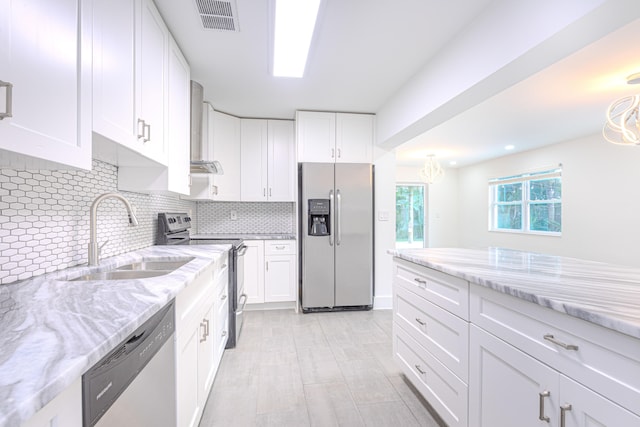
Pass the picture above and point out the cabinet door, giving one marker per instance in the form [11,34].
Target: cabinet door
[281,161]
[64,410]
[206,351]
[45,54]
[316,136]
[354,138]
[179,127]
[507,387]
[226,149]
[583,407]
[188,406]
[279,278]
[151,82]
[254,271]
[253,146]
[114,77]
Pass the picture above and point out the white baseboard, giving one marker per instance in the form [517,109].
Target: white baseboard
[384,302]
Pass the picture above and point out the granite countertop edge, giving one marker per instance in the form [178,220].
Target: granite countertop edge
[53,330]
[596,292]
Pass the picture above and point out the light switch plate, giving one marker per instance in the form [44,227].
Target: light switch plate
[383,215]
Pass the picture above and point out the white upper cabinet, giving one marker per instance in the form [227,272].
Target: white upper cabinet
[130,51]
[45,83]
[334,137]
[268,160]
[226,150]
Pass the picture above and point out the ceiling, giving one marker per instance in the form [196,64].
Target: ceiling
[364,51]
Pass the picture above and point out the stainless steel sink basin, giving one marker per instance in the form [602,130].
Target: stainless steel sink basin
[121,275]
[136,270]
[155,265]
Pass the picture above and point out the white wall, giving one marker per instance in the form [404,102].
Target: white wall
[385,231]
[600,201]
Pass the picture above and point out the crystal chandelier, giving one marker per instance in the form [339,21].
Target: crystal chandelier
[623,123]
[432,170]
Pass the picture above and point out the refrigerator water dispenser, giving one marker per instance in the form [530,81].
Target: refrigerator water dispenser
[319,217]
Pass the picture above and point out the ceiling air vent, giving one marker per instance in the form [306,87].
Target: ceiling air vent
[218,14]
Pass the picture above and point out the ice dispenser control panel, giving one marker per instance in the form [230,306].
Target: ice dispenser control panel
[319,219]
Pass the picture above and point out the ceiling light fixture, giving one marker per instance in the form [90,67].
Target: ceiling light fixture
[295,21]
[432,170]
[509,147]
[623,123]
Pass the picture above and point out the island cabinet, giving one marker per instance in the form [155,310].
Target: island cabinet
[325,137]
[201,334]
[552,367]
[45,84]
[484,358]
[431,336]
[64,410]
[268,163]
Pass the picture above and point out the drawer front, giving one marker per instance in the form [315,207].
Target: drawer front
[444,391]
[601,359]
[444,335]
[279,247]
[448,292]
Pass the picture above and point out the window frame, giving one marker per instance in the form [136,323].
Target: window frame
[425,189]
[524,179]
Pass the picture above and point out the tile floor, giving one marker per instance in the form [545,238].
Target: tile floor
[320,369]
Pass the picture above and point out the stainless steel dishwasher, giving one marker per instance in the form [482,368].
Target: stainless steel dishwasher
[134,385]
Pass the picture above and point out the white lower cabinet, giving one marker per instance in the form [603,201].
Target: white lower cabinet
[199,340]
[64,410]
[270,271]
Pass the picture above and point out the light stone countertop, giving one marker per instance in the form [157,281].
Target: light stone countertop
[53,330]
[605,294]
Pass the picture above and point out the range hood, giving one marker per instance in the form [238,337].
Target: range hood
[199,162]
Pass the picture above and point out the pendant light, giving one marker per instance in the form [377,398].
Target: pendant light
[432,170]
[623,124]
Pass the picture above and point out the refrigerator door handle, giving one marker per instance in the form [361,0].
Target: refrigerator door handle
[330,225]
[338,217]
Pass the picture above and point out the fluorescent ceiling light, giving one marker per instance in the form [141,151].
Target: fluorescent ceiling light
[294,24]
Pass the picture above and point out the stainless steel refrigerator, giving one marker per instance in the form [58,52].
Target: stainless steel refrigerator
[336,245]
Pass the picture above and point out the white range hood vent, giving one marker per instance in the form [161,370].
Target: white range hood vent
[220,15]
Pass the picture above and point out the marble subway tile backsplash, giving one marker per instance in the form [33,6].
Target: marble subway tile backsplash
[44,218]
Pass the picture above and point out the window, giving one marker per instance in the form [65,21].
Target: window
[410,231]
[527,203]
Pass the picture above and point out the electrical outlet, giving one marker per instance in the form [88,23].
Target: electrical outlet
[234,215]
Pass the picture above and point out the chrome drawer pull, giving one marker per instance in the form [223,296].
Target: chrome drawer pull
[563,410]
[8,99]
[223,297]
[420,321]
[550,338]
[542,416]
[420,370]
[421,281]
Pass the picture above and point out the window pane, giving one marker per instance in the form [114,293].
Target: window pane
[509,192]
[410,216]
[545,217]
[546,189]
[509,217]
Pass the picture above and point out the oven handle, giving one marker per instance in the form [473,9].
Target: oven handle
[243,304]
[242,250]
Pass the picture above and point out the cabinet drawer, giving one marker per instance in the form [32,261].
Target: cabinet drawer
[438,385]
[279,247]
[446,291]
[603,359]
[444,335]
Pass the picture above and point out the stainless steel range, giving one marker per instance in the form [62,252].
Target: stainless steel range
[173,229]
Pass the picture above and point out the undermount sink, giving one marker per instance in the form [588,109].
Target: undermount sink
[137,270]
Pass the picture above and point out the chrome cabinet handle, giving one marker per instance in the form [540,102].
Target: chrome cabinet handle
[141,129]
[269,191]
[420,370]
[339,153]
[421,281]
[420,321]
[264,192]
[279,248]
[8,100]
[333,153]
[563,411]
[267,265]
[550,338]
[147,133]
[242,251]
[223,297]
[224,333]
[204,324]
[330,206]
[339,217]
[542,416]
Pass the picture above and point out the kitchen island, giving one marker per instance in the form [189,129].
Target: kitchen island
[497,337]
[52,330]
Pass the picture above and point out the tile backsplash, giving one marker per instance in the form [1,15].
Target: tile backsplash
[44,218]
[250,217]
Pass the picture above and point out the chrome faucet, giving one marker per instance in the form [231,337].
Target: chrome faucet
[94,249]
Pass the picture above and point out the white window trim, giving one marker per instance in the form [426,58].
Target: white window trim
[523,178]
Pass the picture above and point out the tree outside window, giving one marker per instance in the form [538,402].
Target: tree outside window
[410,211]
